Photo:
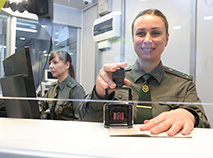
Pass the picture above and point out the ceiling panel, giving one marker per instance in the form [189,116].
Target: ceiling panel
[78,4]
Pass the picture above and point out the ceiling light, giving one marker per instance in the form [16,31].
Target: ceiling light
[207,17]
[177,27]
[25,29]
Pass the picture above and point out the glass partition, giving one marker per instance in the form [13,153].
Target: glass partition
[38,38]
[187,56]
[3,37]
[204,63]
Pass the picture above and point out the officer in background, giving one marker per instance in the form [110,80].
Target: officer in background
[150,81]
[60,65]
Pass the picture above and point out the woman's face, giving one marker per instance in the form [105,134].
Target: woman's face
[149,37]
[58,68]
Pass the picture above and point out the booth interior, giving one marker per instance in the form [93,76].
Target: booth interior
[94,33]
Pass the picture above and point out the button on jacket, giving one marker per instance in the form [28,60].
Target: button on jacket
[166,85]
[69,89]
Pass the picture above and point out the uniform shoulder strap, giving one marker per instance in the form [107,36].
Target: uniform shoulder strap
[71,84]
[178,73]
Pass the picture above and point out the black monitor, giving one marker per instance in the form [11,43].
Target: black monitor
[19,82]
[18,63]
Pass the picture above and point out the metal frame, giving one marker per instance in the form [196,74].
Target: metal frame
[193,39]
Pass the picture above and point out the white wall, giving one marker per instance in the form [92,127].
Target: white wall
[204,63]
[88,51]
[67,16]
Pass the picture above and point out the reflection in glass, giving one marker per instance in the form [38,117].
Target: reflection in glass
[38,38]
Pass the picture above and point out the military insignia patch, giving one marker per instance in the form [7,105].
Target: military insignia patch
[145,88]
[70,84]
[60,110]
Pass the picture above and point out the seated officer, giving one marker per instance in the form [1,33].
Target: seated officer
[60,65]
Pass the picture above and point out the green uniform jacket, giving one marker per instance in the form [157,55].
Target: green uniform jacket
[69,89]
[168,85]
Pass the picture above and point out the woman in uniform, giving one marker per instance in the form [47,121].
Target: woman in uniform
[150,37]
[60,65]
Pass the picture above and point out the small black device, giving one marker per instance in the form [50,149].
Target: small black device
[119,113]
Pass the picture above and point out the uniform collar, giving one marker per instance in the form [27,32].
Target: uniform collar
[138,72]
[64,82]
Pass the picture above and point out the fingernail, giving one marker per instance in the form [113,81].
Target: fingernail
[114,68]
[112,85]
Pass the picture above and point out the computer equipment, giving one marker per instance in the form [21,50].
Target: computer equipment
[19,82]
[44,86]
[48,77]
[18,63]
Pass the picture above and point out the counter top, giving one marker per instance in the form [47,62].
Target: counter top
[48,138]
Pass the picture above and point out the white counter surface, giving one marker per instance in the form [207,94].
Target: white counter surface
[46,138]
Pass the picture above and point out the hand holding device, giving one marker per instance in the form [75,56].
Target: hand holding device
[104,79]
[118,114]
[118,77]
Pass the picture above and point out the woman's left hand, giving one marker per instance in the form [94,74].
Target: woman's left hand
[179,120]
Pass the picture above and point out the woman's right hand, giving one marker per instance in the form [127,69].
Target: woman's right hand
[104,79]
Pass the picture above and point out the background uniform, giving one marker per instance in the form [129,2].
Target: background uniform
[68,89]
